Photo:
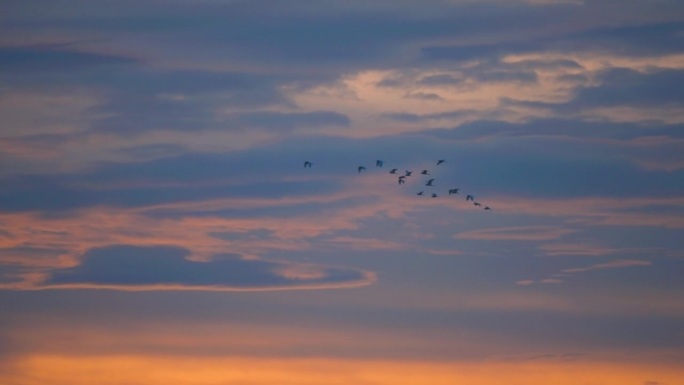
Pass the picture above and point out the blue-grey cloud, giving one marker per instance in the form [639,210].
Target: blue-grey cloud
[55,58]
[289,121]
[138,267]
[626,87]
[528,168]
[619,87]
[556,127]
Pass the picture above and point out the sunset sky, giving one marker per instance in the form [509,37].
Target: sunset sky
[158,226]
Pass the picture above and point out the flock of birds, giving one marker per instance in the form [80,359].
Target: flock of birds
[401,179]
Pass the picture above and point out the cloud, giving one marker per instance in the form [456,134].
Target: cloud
[547,127]
[29,59]
[27,253]
[516,233]
[426,96]
[555,249]
[291,120]
[135,268]
[620,263]
[627,87]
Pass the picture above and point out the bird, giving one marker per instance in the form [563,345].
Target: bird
[487,208]
[307,164]
[401,179]
[361,168]
[408,173]
[469,198]
[420,193]
[477,204]
[453,191]
[379,163]
[429,183]
[424,172]
[440,161]
[434,195]
[393,171]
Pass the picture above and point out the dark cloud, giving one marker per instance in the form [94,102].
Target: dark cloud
[529,167]
[619,87]
[650,39]
[440,80]
[57,58]
[251,235]
[290,121]
[643,40]
[627,87]
[416,118]
[428,96]
[558,127]
[487,52]
[489,72]
[335,37]
[139,267]
[29,193]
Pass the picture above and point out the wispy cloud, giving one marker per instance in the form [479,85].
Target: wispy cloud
[518,233]
[616,264]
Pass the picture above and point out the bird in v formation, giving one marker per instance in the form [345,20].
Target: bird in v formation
[402,180]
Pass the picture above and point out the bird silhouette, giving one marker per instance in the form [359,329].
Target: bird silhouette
[393,171]
[420,193]
[477,204]
[434,195]
[401,179]
[440,161]
[408,173]
[424,172]
[307,164]
[429,183]
[361,168]
[487,208]
[470,198]
[453,191]
[379,163]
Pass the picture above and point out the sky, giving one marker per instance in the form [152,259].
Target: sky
[157,223]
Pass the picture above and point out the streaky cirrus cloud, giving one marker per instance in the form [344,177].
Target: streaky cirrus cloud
[616,264]
[516,233]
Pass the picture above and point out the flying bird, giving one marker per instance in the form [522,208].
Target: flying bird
[453,191]
[393,171]
[408,173]
[307,164]
[429,183]
[487,208]
[379,163]
[470,198]
[424,172]
[434,195]
[477,204]
[440,161]
[420,193]
[361,168]
[401,179]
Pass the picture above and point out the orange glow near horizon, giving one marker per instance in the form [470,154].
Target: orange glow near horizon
[153,370]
